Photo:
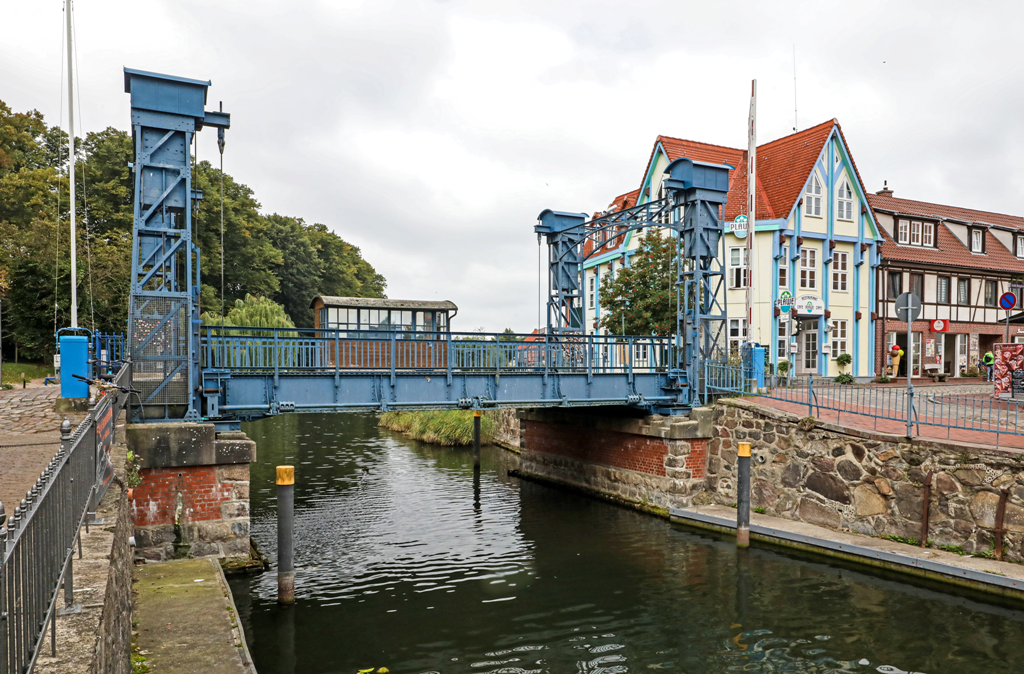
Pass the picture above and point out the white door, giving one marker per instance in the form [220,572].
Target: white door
[808,361]
[961,354]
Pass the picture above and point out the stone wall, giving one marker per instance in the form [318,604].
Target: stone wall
[506,429]
[112,654]
[652,461]
[868,482]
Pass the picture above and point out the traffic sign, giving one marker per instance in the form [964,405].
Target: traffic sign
[1007,301]
[908,307]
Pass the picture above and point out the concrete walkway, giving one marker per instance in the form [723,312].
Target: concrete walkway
[978,573]
[187,621]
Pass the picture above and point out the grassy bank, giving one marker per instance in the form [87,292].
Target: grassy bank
[449,428]
[12,371]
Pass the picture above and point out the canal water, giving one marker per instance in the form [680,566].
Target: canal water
[405,561]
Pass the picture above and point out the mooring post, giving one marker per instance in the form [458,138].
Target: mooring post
[285,534]
[743,496]
[476,439]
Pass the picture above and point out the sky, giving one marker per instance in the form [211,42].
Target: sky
[431,134]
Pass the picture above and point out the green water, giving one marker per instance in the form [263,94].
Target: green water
[406,561]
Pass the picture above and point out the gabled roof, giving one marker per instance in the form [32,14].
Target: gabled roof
[950,251]
[619,203]
[379,303]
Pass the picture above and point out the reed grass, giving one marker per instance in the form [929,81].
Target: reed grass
[449,428]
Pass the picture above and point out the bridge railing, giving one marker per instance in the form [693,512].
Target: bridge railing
[313,351]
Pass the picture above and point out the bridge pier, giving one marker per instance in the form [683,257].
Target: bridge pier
[652,461]
[194,497]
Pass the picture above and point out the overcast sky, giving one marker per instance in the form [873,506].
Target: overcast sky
[431,134]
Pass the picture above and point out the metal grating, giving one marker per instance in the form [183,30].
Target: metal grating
[159,350]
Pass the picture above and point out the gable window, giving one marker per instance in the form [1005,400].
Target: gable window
[840,267]
[977,241]
[839,338]
[784,267]
[942,290]
[895,284]
[738,267]
[990,293]
[903,232]
[963,291]
[928,234]
[845,201]
[812,198]
[808,269]
[915,233]
[1020,246]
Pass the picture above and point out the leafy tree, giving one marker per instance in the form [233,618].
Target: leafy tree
[345,272]
[300,270]
[252,312]
[643,293]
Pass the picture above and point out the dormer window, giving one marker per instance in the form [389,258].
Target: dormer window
[1020,246]
[915,233]
[903,232]
[977,241]
[928,234]
[812,198]
[845,201]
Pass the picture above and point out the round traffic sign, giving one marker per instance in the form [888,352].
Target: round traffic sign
[1007,301]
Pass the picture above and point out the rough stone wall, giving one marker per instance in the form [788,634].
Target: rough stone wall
[112,654]
[868,482]
[506,428]
[653,461]
[192,511]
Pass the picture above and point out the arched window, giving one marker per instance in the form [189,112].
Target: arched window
[845,200]
[812,198]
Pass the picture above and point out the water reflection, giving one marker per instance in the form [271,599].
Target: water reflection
[410,559]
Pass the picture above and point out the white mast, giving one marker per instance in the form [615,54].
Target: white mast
[751,206]
[71,173]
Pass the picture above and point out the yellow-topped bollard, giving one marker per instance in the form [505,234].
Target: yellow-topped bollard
[743,495]
[476,438]
[285,534]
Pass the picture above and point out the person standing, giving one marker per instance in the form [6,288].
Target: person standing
[989,361]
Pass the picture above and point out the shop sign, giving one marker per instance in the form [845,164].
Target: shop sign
[785,301]
[940,325]
[738,227]
[809,304]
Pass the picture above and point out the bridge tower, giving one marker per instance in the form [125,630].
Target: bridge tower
[697,192]
[163,318]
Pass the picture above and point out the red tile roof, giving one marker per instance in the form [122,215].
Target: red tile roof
[619,203]
[950,251]
[925,209]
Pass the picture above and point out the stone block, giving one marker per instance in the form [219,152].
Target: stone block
[238,472]
[857,450]
[892,473]
[1002,481]
[909,501]
[823,464]
[883,486]
[205,549]
[240,491]
[849,470]
[946,485]
[970,477]
[791,475]
[867,502]
[829,486]
[233,509]
[888,455]
[812,512]
[780,458]
[235,547]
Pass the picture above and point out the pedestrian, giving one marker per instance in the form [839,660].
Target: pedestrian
[990,361]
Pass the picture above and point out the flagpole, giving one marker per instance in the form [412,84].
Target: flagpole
[71,173]
[751,206]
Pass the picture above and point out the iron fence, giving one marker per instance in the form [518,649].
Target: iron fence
[895,408]
[37,539]
[314,351]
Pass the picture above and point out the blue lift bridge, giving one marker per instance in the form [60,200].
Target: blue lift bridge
[182,370]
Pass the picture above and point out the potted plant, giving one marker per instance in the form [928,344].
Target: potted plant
[842,361]
[783,371]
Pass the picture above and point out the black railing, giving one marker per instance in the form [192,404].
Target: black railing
[38,537]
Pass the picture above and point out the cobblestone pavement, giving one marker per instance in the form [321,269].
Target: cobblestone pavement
[29,437]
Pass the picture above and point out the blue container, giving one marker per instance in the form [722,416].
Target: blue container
[74,359]
[757,356]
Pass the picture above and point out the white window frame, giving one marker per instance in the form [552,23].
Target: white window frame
[784,267]
[593,283]
[737,334]
[938,289]
[903,232]
[738,266]
[928,234]
[845,201]
[965,300]
[812,197]
[840,271]
[915,233]
[1020,246]
[808,269]
[977,241]
[838,338]
[809,337]
[782,343]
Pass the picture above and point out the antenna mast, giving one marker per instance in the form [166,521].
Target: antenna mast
[71,173]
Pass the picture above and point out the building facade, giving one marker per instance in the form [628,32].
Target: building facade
[816,249]
[959,262]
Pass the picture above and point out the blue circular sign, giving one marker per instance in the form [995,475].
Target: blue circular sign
[1008,301]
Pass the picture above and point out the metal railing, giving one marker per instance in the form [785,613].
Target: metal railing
[317,351]
[37,539]
[894,407]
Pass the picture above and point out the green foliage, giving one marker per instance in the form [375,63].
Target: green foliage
[844,359]
[131,469]
[955,549]
[13,372]
[644,291]
[783,367]
[884,379]
[252,312]
[845,378]
[760,510]
[447,428]
[271,256]
[901,539]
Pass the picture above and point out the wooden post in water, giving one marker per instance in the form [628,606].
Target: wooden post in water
[476,439]
[743,496]
[285,534]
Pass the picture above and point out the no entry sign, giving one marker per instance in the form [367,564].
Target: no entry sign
[1007,301]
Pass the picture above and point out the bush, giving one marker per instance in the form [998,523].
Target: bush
[844,359]
[845,378]
[783,367]
[448,428]
[884,379]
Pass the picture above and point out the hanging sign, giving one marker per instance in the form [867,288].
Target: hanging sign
[738,227]
[785,301]
[809,304]
[940,325]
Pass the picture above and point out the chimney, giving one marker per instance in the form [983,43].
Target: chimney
[885,191]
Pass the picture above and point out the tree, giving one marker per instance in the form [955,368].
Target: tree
[252,312]
[643,294]
[300,271]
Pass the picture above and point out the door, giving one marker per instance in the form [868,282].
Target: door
[807,361]
[961,354]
